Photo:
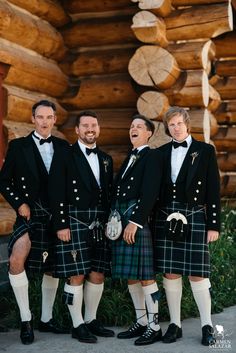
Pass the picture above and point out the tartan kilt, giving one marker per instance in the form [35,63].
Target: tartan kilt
[189,256]
[133,261]
[41,255]
[83,253]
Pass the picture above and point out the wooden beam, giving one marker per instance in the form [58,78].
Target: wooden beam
[3,73]
[81,6]
[225,45]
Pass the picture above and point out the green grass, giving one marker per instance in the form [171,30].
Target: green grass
[116,307]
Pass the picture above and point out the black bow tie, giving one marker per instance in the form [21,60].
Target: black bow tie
[42,141]
[91,150]
[178,144]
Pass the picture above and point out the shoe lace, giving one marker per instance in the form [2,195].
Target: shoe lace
[134,327]
[148,332]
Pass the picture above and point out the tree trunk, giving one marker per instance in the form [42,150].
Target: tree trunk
[191,90]
[113,91]
[226,113]
[153,105]
[149,29]
[227,161]
[193,22]
[31,71]
[160,8]
[49,10]
[226,87]
[225,139]
[153,66]
[41,36]
[225,45]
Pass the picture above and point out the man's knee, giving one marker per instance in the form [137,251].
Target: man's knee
[96,277]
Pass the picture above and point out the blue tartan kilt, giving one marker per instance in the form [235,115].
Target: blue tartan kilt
[134,261]
[41,256]
[190,256]
[86,251]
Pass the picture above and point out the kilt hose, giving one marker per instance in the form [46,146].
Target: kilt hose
[189,256]
[41,255]
[85,252]
[134,261]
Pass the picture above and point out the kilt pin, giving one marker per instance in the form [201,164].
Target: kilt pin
[79,203]
[24,179]
[135,193]
[195,194]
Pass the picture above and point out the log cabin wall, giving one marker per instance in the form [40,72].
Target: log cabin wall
[119,57]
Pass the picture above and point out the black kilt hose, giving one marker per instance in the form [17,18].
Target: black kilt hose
[86,251]
[189,256]
[41,256]
[132,261]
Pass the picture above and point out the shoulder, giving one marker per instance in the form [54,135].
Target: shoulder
[207,147]
[164,147]
[105,155]
[61,141]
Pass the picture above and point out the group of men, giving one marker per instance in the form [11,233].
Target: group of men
[168,201]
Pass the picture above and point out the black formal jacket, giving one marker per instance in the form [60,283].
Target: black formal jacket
[77,186]
[198,182]
[141,182]
[20,178]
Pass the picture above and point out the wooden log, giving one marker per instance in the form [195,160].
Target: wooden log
[7,219]
[17,129]
[153,66]
[177,3]
[200,123]
[227,161]
[193,55]
[113,91]
[228,185]
[190,90]
[149,29]
[160,8]
[32,71]
[20,102]
[153,105]
[159,137]
[226,68]
[226,113]
[214,126]
[87,33]
[193,22]
[225,139]
[225,45]
[51,11]
[226,87]
[97,62]
[41,36]
[214,99]
[81,6]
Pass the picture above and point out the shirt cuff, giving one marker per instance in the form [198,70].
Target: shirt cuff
[138,225]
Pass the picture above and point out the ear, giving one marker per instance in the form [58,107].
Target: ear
[32,119]
[76,130]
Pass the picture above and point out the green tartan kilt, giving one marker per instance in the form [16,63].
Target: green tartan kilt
[133,261]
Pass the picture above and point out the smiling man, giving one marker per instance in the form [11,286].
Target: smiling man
[25,180]
[136,191]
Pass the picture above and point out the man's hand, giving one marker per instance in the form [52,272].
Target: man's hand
[24,211]
[64,234]
[129,233]
[212,235]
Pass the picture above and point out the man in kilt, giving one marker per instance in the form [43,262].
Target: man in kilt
[187,220]
[25,179]
[135,193]
[80,201]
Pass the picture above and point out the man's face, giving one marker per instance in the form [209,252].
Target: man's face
[177,128]
[88,130]
[44,120]
[138,133]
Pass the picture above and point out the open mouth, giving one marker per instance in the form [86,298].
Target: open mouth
[134,135]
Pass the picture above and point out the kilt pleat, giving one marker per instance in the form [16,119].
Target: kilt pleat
[82,254]
[189,256]
[133,261]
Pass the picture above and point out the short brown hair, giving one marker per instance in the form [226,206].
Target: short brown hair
[149,124]
[173,111]
[85,113]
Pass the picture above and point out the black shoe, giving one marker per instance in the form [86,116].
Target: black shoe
[51,326]
[148,337]
[97,328]
[27,332]
[207,336]
[173,332]
[135,330]
[83,334]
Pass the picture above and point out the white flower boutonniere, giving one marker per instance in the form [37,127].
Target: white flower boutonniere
[134,158]
[194,156]
[106,164]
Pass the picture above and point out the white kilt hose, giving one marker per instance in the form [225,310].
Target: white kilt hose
[87,250]
[41,256]
[189,256]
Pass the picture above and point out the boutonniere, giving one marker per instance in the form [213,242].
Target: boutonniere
[194,156]
[105,163]
[134,158]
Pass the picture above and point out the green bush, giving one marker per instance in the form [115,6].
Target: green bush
[116,307]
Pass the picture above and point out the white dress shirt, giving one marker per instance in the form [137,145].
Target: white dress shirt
[177,158]
[92,160]
[46,150]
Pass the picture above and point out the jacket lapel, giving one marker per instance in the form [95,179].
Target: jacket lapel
[139,157]
[194,155]
[28,151]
